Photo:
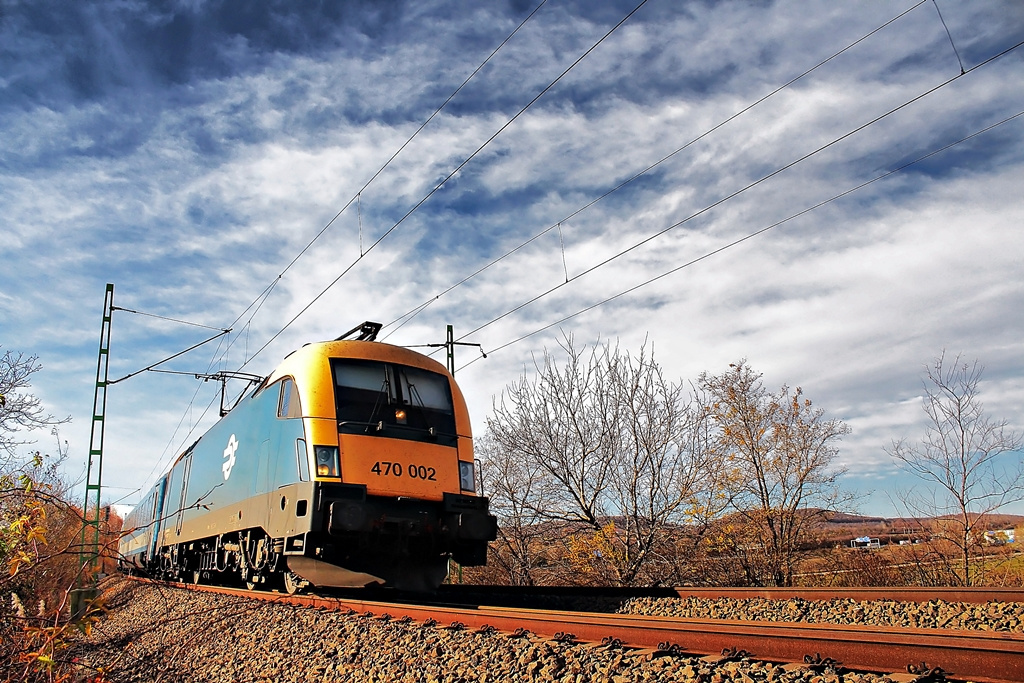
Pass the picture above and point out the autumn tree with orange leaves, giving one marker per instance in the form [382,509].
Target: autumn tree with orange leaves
[39,530]
[779,453]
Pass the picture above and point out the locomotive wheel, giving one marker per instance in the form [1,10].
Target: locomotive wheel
[293,583]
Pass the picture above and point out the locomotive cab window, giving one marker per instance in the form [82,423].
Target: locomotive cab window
[394,401]
[288,403]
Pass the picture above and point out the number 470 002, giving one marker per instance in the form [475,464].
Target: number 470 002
[383,468]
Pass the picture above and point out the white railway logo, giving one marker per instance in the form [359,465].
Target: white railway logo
[229,454]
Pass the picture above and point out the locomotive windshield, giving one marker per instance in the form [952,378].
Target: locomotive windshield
[396,401]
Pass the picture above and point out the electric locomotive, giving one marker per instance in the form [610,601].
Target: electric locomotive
[350,465]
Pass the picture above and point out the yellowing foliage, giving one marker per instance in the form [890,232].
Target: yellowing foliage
[591,554]
[33,647]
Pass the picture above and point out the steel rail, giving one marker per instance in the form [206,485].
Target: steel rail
[980,656]
[897,594]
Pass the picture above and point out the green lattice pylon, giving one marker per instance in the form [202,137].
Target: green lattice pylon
[89,546]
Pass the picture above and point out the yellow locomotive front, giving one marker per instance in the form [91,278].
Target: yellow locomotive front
[390,444]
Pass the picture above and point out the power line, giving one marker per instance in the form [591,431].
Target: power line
[158,466]
[949,35]
[736,193]
[412,313]
[161,317]
[446,179]
[413,136]
[258,302]
[265,294]
[750,236]
[262,297]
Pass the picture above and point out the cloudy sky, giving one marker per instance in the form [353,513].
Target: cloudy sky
[265,166]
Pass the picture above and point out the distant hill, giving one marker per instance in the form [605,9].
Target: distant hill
[840,525]
[840,518]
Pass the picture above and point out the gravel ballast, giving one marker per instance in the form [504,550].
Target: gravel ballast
[993,616]
[155,633]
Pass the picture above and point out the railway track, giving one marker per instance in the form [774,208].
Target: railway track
[524,594]
[909,594]
[912,654]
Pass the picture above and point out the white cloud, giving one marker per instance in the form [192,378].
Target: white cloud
[193,196]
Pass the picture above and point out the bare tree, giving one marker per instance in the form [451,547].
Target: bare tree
[971,461]
[779,452]
[562,421]
[20,410]
[604,441]
[514,484]
[661,466]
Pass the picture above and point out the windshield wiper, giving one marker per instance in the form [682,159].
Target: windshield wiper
[381,425]
[378,426]
[385,390]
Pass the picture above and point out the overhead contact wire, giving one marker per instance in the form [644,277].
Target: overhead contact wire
[448,177]
[413,136]
[949,35]
[748,236]
[736,193]
[408,316]
[266,292]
